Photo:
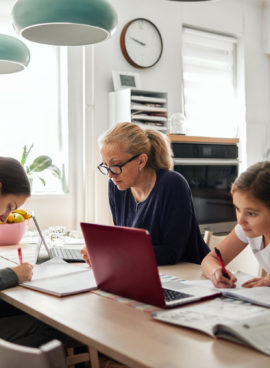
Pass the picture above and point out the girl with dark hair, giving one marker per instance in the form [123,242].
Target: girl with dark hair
[145,193]
[16,326]
[14,191]
[251,198]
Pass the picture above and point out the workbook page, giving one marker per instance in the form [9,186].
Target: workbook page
[54,267]
[206,316]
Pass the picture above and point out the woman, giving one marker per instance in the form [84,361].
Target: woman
[145,193]
[251,198]
[16,326]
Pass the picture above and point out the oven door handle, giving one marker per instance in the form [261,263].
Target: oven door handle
[205,161]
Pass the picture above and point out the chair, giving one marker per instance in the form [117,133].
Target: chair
[245,261]
[77,352]
[49,355]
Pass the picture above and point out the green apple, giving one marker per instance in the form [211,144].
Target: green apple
[18,217]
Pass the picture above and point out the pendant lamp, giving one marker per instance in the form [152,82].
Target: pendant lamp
[190,1]
[64,22]
[14,55]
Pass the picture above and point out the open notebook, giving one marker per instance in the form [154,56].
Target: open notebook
[255,295]
[225,318]
[60,278]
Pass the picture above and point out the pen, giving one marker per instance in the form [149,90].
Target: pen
[20,255]
[224,271]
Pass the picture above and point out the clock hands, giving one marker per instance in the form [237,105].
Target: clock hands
[140,42]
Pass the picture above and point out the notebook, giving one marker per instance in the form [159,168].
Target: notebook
[59,278]
[124,263]
[67,254]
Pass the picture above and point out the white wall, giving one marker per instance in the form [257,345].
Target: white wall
[242,18]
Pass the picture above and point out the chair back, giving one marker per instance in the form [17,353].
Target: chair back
[50,355]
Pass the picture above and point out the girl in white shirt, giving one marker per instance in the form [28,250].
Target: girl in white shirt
[251,199]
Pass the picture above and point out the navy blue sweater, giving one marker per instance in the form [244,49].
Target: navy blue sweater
[168,215]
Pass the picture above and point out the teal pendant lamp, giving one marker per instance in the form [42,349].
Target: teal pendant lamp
[14,55]
[64,22]
[190,1]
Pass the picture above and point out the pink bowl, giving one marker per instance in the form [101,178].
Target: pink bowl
[11,234]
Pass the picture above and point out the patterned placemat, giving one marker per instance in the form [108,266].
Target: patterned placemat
[133,303]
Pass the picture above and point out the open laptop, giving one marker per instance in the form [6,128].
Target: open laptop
[124,263]
[67,254]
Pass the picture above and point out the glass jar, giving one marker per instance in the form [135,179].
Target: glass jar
[177,123]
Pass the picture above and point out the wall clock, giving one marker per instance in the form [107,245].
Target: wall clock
[141,43]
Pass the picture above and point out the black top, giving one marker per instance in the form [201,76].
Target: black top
[8,278]
[168,215]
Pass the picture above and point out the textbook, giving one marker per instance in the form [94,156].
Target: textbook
[226,318]
[60,278]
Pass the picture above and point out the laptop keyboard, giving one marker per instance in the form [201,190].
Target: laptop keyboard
[67,254]
[171,295]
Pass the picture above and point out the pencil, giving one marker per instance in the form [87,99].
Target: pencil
[20,255]
[224,271]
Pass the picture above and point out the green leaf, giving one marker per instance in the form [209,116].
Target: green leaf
[25,154]
[42,181]
[55,171]
[41,163]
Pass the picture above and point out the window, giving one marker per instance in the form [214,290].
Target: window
[31,104]
[209,74]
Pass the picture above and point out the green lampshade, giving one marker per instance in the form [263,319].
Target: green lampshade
[190,1]
[14,55]
[64,22]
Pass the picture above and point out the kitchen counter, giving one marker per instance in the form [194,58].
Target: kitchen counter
[190,139]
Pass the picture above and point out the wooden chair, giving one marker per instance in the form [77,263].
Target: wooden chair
[245,261]
[77,352]
[50,355]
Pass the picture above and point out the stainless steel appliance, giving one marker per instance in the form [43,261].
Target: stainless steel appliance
[210,170]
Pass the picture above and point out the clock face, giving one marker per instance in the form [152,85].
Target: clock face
[141,43]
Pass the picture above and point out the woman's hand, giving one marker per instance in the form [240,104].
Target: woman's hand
[257,281]
[221,281]
[85,255]
[24,272]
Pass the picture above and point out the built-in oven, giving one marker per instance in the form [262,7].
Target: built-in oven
[210,170]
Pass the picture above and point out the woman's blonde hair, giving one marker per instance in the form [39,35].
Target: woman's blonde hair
[256,181]
[136,140]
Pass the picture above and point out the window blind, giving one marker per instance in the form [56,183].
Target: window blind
[209,75]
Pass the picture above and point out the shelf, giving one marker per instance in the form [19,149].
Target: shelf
[148,108]
[186,138]
[148,99]
[154,127]
[148,118]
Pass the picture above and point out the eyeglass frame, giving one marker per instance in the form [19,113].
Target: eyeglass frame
[108,168]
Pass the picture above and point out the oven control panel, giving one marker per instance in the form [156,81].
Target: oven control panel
[205,150]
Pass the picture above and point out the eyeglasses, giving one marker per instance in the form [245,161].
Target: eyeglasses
[114,169]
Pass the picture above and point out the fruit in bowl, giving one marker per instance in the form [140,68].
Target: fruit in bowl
[12,231]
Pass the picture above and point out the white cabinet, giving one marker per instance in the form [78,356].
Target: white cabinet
[147,108]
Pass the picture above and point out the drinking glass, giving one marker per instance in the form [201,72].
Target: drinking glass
[57,235]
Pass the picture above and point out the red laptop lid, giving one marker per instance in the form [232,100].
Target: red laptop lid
[123,262]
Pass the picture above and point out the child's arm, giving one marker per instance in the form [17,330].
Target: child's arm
[230,247]
[257,281]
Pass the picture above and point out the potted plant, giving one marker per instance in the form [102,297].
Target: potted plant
[40,164]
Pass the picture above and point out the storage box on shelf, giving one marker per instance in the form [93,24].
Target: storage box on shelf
[147,108]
